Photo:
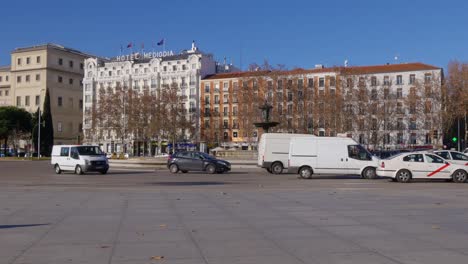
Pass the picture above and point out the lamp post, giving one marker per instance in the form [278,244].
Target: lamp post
[39,128]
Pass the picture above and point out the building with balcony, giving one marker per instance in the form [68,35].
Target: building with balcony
[142,72]
[381,106]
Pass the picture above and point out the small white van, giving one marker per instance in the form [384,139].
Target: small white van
[330,155]
[273,150]
[79,159]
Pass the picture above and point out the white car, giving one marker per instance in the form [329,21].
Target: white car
[453,156]
[421,165]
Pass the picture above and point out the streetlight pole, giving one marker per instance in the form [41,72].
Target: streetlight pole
[39,128]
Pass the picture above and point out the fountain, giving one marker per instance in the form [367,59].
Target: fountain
[266,124]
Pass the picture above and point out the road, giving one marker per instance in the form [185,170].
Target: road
[246,216]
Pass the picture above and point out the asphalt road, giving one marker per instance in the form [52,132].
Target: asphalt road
[246,216]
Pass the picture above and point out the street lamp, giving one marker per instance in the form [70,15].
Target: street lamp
[39,128]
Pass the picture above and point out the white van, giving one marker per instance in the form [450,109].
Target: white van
[79,159]
[330,155]
[273,150]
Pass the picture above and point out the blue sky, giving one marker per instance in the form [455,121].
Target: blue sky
[294,33]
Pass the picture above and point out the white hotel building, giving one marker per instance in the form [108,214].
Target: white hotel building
[151,70]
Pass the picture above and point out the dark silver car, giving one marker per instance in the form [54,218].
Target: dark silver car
[185,161]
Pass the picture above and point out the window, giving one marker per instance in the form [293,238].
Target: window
[1,92]
[38,59]
[321,82]
[373,81]
[399,79]
[38,99]
[18,100]
[18,79]
[311,82]
[443,154]
[6,78]
[1,78]
[207,88]
[28,78]
[60,61]
[234,134]
[374,94]
[358,152]
[412,78]
[413,158]
[427,78]
[64,152]
[7,92]
[59,101]
[59,126]
[38,77]
[26,100]
[70,63]
[332,81]
[349,82]
[458,156]
[19,61]
[81,66]
[300,83]
[59,79]
[399,93]
[433,159]
[28,60]
[70,81]
[386,80]
[174,67]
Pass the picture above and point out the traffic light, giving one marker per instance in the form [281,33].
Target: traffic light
[454,139]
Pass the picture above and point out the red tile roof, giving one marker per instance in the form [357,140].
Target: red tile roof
[416,66]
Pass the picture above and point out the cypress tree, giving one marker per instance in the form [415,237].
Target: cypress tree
[48,130]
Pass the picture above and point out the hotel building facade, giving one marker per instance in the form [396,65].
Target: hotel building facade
[51,67]
[382,106]
[140,72]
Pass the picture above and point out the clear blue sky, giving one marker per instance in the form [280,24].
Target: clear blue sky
[295,33]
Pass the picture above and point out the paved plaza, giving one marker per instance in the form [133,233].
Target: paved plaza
[247,216]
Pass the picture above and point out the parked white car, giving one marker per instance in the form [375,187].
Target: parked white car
[79,159]
[421,165]
[453,156]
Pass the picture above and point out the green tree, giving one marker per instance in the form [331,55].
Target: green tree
[48,127]
[14,123]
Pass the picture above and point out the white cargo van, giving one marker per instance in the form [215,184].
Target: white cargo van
[273,150]
[79,159]
[330,155]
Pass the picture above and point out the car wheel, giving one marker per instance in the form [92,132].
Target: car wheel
[211,169]
[184,171]
[305,172]
[103,171]
[369,173]
[57,169]
[277,168]
[174,168]
[403,176]
[460,176]
[78,170]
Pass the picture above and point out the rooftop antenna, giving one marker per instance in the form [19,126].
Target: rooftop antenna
[396,59]
[346,63]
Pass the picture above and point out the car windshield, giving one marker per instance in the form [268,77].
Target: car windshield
[89,151]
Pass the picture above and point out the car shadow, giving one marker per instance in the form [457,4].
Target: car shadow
[189,183]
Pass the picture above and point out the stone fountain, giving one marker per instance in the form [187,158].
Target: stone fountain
[266,124]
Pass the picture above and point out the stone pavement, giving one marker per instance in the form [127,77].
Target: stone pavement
[339,225]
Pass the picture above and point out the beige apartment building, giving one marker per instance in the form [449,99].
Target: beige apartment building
[59,69]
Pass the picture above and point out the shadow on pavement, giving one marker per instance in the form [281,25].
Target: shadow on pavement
[16,226]
[192,183]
